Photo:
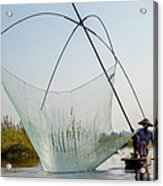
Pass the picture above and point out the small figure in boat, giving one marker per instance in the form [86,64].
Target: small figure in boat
[142,139]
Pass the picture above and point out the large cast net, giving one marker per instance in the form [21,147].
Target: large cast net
[73,132]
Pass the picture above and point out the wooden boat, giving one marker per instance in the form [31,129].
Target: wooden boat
[135,163]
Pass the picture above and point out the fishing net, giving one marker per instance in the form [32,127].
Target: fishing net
[73,132]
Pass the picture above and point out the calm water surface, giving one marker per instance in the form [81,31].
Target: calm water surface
[112,169]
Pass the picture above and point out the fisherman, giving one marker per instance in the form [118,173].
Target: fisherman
[142,138]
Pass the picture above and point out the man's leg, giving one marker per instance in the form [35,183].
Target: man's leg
[143,148]
[136,141]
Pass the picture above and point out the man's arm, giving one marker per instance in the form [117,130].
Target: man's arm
[152,138]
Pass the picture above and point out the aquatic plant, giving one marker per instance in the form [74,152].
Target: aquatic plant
[16,147]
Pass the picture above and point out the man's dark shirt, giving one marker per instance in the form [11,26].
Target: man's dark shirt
[146,136]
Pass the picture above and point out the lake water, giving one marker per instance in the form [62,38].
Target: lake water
[112,169]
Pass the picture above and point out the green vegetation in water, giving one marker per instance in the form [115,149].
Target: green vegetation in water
[113,141]
[16,147]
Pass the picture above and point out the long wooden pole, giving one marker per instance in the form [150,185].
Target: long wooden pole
[103,68]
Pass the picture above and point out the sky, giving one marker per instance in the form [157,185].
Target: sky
[30,51]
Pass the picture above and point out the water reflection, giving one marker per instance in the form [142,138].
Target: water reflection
[112,169]
[117,173]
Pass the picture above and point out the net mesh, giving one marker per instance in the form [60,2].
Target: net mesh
[74,131]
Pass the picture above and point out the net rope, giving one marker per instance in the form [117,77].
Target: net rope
[74,131]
